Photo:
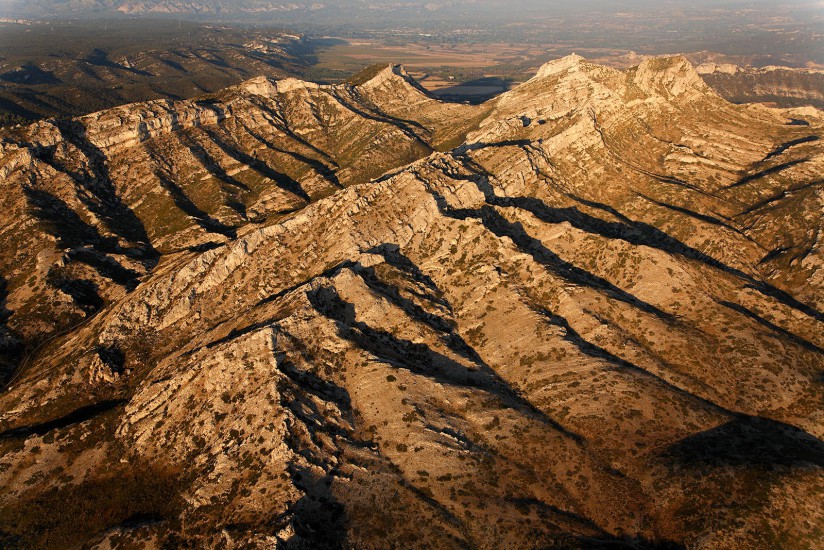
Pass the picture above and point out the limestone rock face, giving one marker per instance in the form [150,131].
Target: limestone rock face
[588,312]
[670,77]
[783,85]
[111,193]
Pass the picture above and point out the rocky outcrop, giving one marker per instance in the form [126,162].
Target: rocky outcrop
[114,189]
[783,85]
[596,320]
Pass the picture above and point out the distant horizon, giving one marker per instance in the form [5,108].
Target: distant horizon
[267,11]
[86,60]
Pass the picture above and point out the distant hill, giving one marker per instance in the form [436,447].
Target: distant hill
[222,7]
[470,8]
[75,67]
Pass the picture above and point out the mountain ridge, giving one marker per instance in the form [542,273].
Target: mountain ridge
[553,323]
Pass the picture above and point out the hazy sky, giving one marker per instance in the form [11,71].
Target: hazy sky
[215,6]
[400,11]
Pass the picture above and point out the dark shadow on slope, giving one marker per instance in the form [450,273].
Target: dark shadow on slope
[5,313]
[282,180]
[16,109]
[393,256]
[262,58]
[77,416]
[238,332]
[278,120]
[184,203]
[786,145]
[592,350]
[216,60]
[627,542]
[563,519]
[784,193]
[98,193]
[11,346]
[312,383]
[633,232]
[798,253]
[672,180]
[84,242]
[40,101]
[320,168]
[299,386]
[173,64]
[401,125]
[100,58]
[305,383]
[445,327]
[462,440]
[782,296]
[112,357]
[641,233]
[106,267]
[773,254]
[749,441]
[393,294]
[691,213]
[376,110]
[319,520]
[204,247]
[238,206]
[417,358]
[772,326]
[420,359]
[326,273]
[88,70]
[343,313]
[30,75]
[83,292]
[766,172]
[502,227]
[60,221]
[301,402]
[209,163]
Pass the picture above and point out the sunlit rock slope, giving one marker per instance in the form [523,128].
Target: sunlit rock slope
[585,314]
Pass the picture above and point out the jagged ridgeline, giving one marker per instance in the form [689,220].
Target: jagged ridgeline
[587,313]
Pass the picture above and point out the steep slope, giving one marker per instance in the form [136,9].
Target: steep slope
[783,85]
[580,327]
[94,203]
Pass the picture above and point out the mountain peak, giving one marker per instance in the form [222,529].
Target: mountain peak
[383,77]
[265,86]
[671,77]
[566,63]
[376,74]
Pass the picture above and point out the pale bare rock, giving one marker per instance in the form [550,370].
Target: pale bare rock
[585,313]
